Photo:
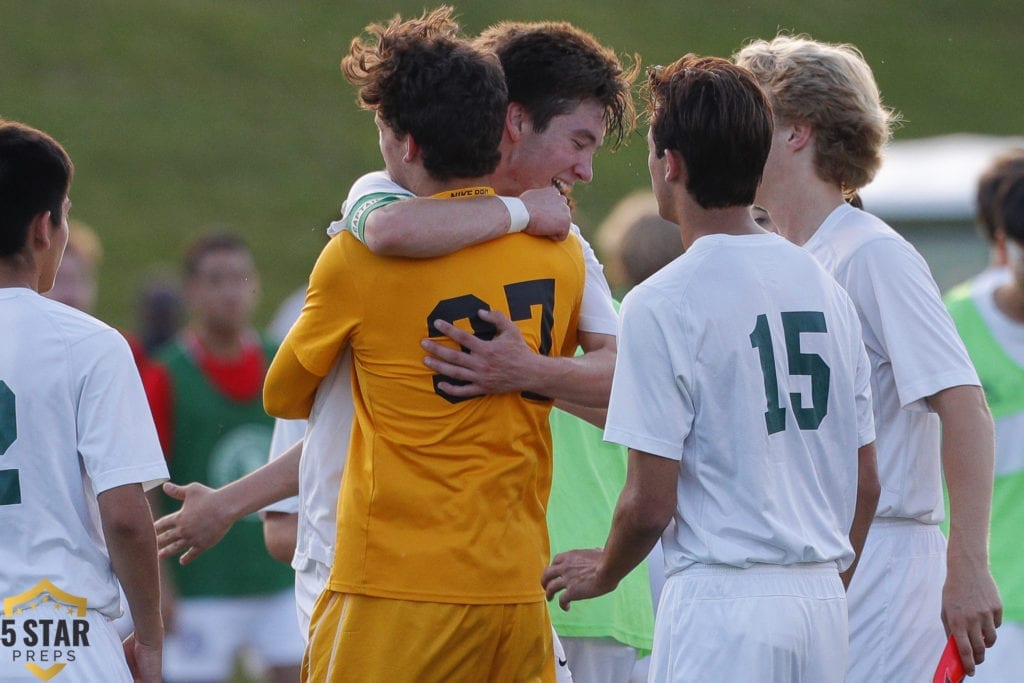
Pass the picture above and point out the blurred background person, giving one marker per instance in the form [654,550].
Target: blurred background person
[213,429]
[989,315]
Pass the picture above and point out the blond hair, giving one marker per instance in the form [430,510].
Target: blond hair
[84,243]
[830,87]
[635,241]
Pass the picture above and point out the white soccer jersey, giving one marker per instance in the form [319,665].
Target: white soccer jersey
[74,422]
[913,346]
[284,436]
[742,359]
[324,453]
[597,313]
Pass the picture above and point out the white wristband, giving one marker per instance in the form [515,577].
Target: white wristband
[518,214]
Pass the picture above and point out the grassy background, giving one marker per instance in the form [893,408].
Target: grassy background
[182,114]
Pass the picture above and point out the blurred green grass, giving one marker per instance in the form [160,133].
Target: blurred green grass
[182,114]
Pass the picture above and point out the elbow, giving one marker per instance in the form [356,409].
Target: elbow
[870,491]
[649,517]
[279,535]
[276,403]
[869,486]
[380,240]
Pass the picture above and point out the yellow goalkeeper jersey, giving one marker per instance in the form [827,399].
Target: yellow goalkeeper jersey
[442,499]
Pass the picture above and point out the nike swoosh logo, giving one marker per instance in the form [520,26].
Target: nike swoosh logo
[563,662]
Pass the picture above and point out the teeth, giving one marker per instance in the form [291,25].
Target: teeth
[561,186]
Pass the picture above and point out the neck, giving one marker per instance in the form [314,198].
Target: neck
[803,206]
[696,222]
[422,184]
[17,271]
[220,342]
[436,186]
[505,178]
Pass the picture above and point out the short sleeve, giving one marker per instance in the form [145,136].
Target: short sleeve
[369,193]
[651,407]
[117,439]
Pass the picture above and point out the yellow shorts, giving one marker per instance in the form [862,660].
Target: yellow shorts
[378,640]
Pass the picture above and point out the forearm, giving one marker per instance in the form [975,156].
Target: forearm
[423,227]
[634,532]
[595,416]
[868,491]
[584,380]
[131,543]
[968,460]
[270,483]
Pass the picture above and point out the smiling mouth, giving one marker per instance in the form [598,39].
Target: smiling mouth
[562,186]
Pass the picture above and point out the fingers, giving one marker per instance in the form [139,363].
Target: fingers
[446,360]
[461,390]
[966,651]
[165,523]
[501,321]
[457,335]
[174,491]
[191,554]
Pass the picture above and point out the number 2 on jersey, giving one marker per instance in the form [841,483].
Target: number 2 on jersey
[10,484]
[811,364]
[521,298]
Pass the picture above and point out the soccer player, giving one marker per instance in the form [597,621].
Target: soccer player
[550,116]
[830,129]
[742,390]
[990,318]
[214,429]
[441,530]
[77,451]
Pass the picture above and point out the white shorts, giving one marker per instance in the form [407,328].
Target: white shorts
[768,623]
[95,655]
[895,599]
[1004,661]
[209,634]
[599,660]
[309,583]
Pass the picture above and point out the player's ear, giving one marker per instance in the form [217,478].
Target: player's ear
[515,119]
[675,167]
[411,149]
[40,231]
[799,135]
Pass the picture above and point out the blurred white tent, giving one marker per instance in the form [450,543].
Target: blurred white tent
[933,178]
[926,190]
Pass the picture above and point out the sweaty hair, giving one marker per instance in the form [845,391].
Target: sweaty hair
[1005,167]
[551,67]
[715,115]
[215,240]
[35,175]
[422,80]
[831,88]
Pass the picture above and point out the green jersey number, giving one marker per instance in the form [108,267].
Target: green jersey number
[10,484]
[794,323]
[521,297]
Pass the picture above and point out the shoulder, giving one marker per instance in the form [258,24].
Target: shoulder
[76,327]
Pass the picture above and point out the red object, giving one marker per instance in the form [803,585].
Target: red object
[950,669]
